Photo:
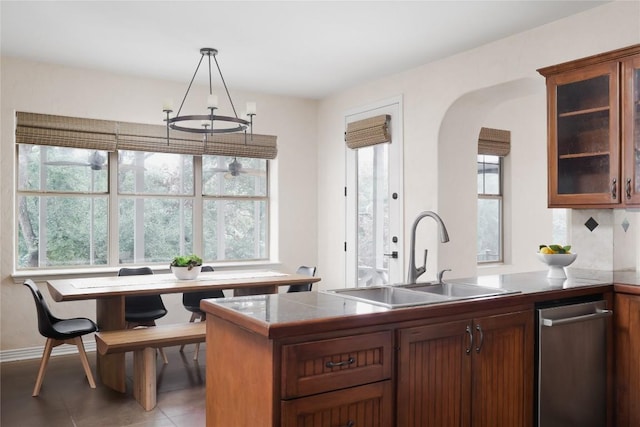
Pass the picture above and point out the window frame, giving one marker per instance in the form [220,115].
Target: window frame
[113,200]
[499,196]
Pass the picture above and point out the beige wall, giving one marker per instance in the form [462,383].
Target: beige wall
[51,89]
[445,104]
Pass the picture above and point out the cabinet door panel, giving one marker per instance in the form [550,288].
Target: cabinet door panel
[502,390]
[627,333]
[434,369]
[584,145]
[631,128]
[366,406]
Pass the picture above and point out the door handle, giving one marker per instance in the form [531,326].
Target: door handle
[470,333]
[599,314]
[479,347]
[393,255]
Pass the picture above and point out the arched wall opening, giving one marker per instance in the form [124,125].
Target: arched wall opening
[518,106]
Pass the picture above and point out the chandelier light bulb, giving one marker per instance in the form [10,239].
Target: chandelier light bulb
[212,101]
[251,108]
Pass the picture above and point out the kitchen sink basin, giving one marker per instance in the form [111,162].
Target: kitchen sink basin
[389,296]
[416,294]
[456,290]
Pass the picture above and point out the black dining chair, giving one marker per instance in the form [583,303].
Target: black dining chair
[143,310]
[57,332]
[191,302]
[305,287]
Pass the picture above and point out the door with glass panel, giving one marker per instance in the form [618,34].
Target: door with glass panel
[374,243]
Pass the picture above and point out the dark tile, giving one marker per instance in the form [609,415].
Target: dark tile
[66,400]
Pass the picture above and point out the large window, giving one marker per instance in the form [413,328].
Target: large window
[71,213]
[489,209]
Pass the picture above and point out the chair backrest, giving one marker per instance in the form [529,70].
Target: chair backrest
[192,299]
[142,303]
[305,287]
[134,271]
[45,318]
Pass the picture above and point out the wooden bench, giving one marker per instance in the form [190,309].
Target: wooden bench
[143,342]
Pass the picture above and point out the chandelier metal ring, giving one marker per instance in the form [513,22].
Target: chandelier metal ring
[243,124]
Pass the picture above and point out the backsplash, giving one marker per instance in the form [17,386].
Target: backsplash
[605,239]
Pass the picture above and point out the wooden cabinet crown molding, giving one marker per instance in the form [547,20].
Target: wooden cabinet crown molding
[618,54]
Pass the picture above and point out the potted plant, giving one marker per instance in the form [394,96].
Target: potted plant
[186,267]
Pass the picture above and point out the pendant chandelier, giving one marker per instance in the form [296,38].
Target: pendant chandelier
[210,123]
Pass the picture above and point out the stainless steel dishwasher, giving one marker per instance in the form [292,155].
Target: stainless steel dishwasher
[572,365]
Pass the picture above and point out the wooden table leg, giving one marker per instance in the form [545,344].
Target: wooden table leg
[144,377]
[111,367]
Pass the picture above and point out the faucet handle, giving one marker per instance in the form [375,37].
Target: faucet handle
[441,274]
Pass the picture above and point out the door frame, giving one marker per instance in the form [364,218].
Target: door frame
[392,106]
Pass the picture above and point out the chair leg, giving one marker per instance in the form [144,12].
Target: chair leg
[164,356]
[195,356]
[194,316]
[202,317]
[43,365]
[85,362]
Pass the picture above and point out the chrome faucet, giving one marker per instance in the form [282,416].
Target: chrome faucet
[415,272]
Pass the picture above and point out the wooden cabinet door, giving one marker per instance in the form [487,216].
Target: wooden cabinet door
[584,139]
[627,348]
[502,384]
[434,371]
[631,129]
[363,406]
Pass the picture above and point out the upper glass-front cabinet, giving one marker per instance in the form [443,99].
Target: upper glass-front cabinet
[593,132]
[584,143]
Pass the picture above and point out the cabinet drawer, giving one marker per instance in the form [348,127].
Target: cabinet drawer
[367,405]
[319,366]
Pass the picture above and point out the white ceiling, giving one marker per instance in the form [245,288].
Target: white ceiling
[300,48]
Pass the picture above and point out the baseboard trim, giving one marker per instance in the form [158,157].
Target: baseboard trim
[36,352]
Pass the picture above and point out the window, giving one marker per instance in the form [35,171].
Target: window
[62,206]
[489,209]
[64,217]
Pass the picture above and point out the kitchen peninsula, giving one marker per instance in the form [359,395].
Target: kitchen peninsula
[300,359]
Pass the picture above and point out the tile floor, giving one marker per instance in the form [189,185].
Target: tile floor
[66,400]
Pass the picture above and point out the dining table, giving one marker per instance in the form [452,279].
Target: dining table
[110,292]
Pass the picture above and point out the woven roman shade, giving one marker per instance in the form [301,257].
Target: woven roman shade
[371,131]
[45,129]
[494,142]
[237,144]
[153,138]
[61,131]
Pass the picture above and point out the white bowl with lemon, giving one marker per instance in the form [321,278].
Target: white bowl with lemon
[557,258]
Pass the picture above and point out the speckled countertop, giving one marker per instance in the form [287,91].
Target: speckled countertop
[290,314]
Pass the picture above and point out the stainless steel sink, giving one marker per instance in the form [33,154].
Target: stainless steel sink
[389,296]
[456,290]
[416,294]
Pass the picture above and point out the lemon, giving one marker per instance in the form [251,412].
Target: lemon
[546,250]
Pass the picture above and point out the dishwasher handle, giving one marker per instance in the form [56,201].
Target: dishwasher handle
[599,314]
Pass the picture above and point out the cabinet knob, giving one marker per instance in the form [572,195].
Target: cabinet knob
[628,188]
[614,189]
